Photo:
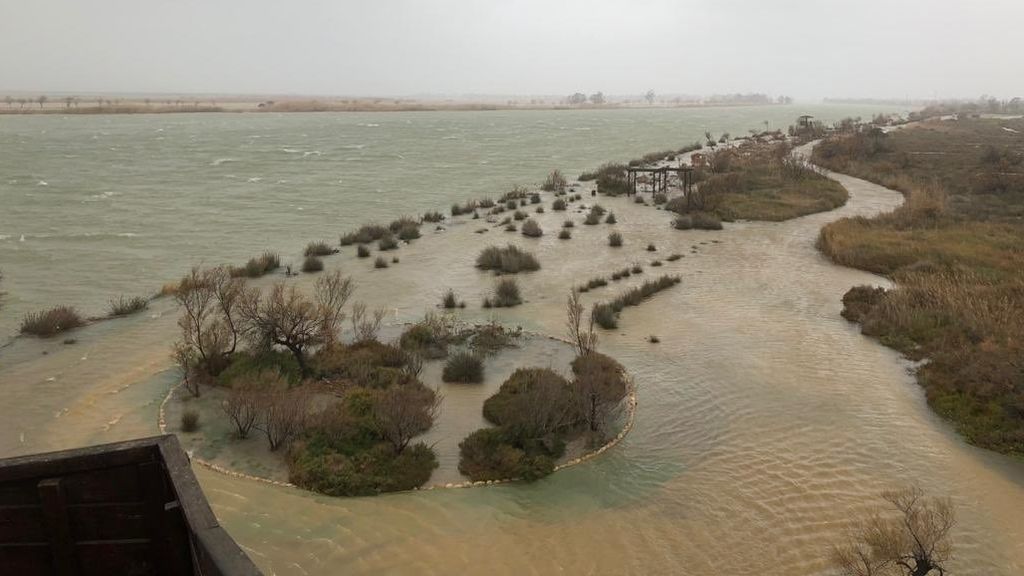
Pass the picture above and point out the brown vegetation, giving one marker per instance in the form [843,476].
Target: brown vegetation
[954,251]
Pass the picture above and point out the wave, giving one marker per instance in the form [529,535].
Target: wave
[354,146]
[52,236]
[312,153]
[370,125]
[291,150]
[220,161]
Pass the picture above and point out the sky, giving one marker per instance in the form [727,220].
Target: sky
[807,49]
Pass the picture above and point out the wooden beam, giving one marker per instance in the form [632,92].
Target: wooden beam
[58,529]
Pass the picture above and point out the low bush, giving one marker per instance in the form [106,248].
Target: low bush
[51,322]
[508,260]
[258,266]
[637,269]
[539,210]
[365,235]
[312,264]
[659,198]
[489,454]
[610,219]
[568,224]
[604,316]
[652,248]
[450,300]
[615,239]
[510,227]
[656,263]
[189,421]
[463,367]
[531,229]
[697,221]
[363,251]
[555,182]
[535,198]
[519,215]
[506,294]
[380,262]
[674,257]
[564,234]
[388,242]
[125,305]
[318,248]
[592,218]
[558,205]
[433,217]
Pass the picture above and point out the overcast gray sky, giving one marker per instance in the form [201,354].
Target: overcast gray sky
[804,48]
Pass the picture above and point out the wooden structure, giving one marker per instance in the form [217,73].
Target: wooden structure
[658,177]
[130,508]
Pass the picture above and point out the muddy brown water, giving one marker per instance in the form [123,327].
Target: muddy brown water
[765,422]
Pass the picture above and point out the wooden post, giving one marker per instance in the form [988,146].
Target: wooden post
[58,528]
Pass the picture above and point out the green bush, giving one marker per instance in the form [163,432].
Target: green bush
[488,455]
[463,367]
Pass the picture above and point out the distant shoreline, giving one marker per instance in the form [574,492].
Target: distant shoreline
[138,107]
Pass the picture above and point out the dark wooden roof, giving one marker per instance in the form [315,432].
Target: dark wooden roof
[131,508]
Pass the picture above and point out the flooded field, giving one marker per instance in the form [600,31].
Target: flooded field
[765,421]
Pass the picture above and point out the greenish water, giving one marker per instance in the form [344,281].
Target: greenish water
[92,207]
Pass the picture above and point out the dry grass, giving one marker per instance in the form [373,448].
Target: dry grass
[956,254]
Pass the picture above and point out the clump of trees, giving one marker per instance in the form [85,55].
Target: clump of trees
[536,411]
[910,537]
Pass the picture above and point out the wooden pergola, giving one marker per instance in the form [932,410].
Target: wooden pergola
[659,177]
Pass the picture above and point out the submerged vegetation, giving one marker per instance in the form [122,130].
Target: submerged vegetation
[51,322]
[606,314]
[508,260]
[954,251]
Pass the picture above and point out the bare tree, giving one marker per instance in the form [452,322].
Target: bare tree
[228,293]
[649,96]
[185,357]
[42,100]
[288,318]
[402,412]
[913,540]
[244,402]
[365,327]
[283,414]
[585,340]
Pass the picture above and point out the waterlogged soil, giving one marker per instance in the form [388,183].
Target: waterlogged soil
[765,423]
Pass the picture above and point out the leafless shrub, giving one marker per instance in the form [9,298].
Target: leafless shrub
[366,326]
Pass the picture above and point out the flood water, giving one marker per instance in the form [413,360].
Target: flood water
[765,421]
